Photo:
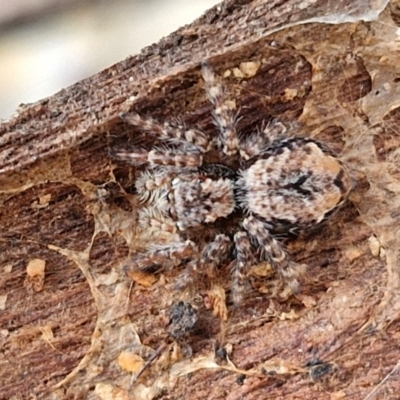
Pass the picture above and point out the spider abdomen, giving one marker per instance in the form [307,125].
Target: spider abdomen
[297,181]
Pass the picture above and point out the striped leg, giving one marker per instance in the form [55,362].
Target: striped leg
[212,255]
[186,156]
[224,111]
[244,260]
[273,252]
[167,131]
[168,255]
[257,142]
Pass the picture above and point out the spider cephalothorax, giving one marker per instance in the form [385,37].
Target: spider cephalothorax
[282,185]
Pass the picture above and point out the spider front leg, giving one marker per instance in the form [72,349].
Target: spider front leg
[187,156]
[168,131]
[224,111]
[273,252]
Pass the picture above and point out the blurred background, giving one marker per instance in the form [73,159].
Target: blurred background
[46,45]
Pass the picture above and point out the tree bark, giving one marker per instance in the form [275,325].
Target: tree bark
[73,325]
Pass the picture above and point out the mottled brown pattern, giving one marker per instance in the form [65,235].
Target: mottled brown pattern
[327,69]
[294,184]
[305,183]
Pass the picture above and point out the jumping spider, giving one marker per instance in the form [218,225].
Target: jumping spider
[279,185]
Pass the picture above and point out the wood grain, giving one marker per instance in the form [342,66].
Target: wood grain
[329,69]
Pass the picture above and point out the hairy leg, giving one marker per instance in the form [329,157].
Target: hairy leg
[213,254]
[168,256]
[257,142]
[240,267]
[224,111]
[168,131]
[273,252]
[185,156]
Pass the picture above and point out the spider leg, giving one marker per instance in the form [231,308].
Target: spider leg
[187,156]
[257,142]
[216,252]
[273,252]
[167,131]
[213,254]
[224,113]
[167,255]
[244,260]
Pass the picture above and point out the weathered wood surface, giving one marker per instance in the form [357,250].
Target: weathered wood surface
[331,67]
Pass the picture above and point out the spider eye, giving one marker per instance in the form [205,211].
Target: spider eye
[300,180]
